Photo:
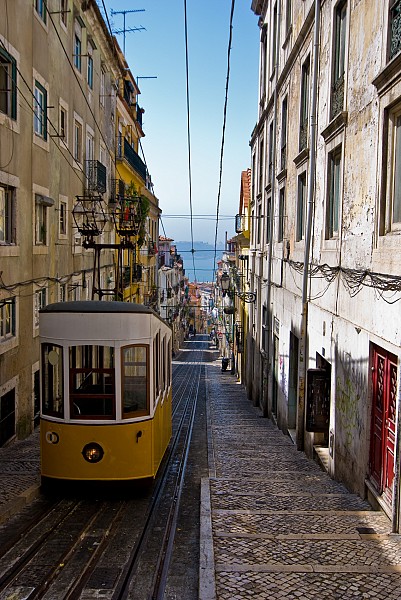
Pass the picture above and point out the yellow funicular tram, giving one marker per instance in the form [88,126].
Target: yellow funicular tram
[106,390]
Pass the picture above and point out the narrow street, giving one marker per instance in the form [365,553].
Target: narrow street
[257,519]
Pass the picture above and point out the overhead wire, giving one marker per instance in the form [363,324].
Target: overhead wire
[223,130]
[189,131]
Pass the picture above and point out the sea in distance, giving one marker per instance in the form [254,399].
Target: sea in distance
[200,265]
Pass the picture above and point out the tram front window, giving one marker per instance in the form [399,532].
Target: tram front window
[92,385]
[135,394]
[52,381]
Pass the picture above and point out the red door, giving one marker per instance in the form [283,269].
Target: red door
[383,421]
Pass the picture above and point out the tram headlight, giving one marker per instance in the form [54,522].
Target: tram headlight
[93,452]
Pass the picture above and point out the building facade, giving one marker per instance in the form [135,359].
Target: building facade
[325,329]
[63,85]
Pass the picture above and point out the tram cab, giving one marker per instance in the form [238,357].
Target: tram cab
[106,391]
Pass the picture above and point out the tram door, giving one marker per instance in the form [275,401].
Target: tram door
[384,388]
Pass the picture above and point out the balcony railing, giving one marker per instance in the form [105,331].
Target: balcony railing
[395,17]
[337,97]
[134,160]
[239,223]
[96,176]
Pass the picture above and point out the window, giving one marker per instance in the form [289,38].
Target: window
[7,215]
[41,9]
[274,39]
[284,119]
[63,124]
[89,70]
[337,88]
[78,141]
[7,319]
[102,87]
[8,84]
[40,300]
[288,16]
[392,197]
[63,12]
[40,111]
[258,222]
[52,381]
[261,164]
[271,148]
[135,388]
[334,188]
[304,114]
[62,292]
[62,218]
[281,210]
[77,53]
[263,57]
[92,382]
[268,219]
[395,24]
[301,206]
[41,219]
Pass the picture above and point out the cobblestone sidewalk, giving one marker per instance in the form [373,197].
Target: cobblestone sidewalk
[274,525]
[19,475]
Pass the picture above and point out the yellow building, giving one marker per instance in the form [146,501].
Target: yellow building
[133,188]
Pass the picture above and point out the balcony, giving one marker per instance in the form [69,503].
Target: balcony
[95,177]
[239,223]
[125,150]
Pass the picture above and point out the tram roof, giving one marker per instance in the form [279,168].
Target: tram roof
[96,306]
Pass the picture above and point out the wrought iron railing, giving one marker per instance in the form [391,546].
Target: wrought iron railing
[337,97]
[395,28]
[96,176]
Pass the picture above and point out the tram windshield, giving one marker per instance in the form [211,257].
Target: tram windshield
[92,382]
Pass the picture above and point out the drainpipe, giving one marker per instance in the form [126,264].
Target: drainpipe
[272,203]
[308,238]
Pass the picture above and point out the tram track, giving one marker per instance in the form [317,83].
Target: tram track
[120,549]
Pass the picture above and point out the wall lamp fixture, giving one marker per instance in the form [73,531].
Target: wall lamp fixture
[248,297]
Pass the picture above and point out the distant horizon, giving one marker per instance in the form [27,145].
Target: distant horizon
[204,260]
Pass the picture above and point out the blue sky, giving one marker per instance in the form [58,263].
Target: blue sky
[160,52]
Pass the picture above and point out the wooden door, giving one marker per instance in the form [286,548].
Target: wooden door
[384,388]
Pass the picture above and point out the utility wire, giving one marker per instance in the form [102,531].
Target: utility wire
[189,133]
[224,129]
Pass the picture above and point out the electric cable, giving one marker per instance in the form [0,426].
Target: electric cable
[188,132]
[223,131]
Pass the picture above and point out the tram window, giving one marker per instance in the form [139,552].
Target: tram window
[135,388]
[169,363]
[92,382]
[156,362]
[164,381]
[52,381]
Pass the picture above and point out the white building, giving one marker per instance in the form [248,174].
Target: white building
[326,221]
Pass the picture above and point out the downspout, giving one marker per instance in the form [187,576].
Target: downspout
[308,238]
[272,204]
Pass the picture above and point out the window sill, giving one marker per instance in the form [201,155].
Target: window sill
[9,250]
[388,76]
[335,127]
[301,158]
[8,344]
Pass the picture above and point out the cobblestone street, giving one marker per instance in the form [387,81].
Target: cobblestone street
[279,527]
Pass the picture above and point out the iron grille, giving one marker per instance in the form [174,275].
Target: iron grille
[96,176]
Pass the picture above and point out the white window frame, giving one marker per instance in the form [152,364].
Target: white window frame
[78,141]
[7,215]
[63,217]
[40,300]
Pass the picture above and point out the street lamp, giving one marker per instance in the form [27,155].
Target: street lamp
[248,297]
